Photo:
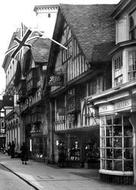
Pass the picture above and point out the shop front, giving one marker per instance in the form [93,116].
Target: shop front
[77,133]
[81,147]
[117,141]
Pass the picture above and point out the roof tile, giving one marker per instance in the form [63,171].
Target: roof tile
[93,27]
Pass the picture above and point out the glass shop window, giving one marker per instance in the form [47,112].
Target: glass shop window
[116,143]
[75,151]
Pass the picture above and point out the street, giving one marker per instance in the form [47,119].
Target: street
[10,181]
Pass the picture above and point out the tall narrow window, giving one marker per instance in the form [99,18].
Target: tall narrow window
[132,65]
[118,74]
[132,26]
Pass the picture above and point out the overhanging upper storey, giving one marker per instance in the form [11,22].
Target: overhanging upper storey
[87,32]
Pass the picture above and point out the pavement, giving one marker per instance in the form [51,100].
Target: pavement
[41,176]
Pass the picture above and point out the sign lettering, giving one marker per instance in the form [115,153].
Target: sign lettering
[56,80]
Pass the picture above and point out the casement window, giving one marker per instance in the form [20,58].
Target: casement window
[118,73]
[132,65]
[132,25]
[116,143]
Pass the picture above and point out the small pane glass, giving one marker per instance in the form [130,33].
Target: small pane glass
[109,153]
[117,142]
[117,120]
[109,131]
[128,142]
[128,130]
[126,121]
[128,154]
[128,165]
[103,153]
[109,164]
[118,153]
[118,165]
[109,142]
[117,130]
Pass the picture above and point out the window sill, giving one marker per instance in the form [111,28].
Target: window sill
[119,173]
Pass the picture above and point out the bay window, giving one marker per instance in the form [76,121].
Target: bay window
[116,143]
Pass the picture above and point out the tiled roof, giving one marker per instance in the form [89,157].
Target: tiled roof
[93,27]
[40,50]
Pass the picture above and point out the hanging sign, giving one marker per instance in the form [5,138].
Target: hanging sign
[56,80]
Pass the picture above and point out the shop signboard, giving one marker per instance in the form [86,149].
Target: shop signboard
[56,80]
[123,105]
[106,109]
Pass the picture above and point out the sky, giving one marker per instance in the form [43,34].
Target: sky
[13,12]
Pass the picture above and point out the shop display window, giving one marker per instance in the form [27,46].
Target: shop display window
[75,152]
[116,143]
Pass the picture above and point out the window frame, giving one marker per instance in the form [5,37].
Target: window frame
[104,148]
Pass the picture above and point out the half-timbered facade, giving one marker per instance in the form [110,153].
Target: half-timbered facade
[79,68]
[32,107]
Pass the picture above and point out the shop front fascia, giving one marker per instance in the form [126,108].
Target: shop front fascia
[118,137]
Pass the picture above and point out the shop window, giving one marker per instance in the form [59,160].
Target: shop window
[132,65]
[37,144]
[75,151]
[116,143]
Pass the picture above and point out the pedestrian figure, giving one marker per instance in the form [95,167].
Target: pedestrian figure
[62,157]
[24,153]
[12,149]
[9,148]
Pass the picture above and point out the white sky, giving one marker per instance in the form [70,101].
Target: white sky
[13,12]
